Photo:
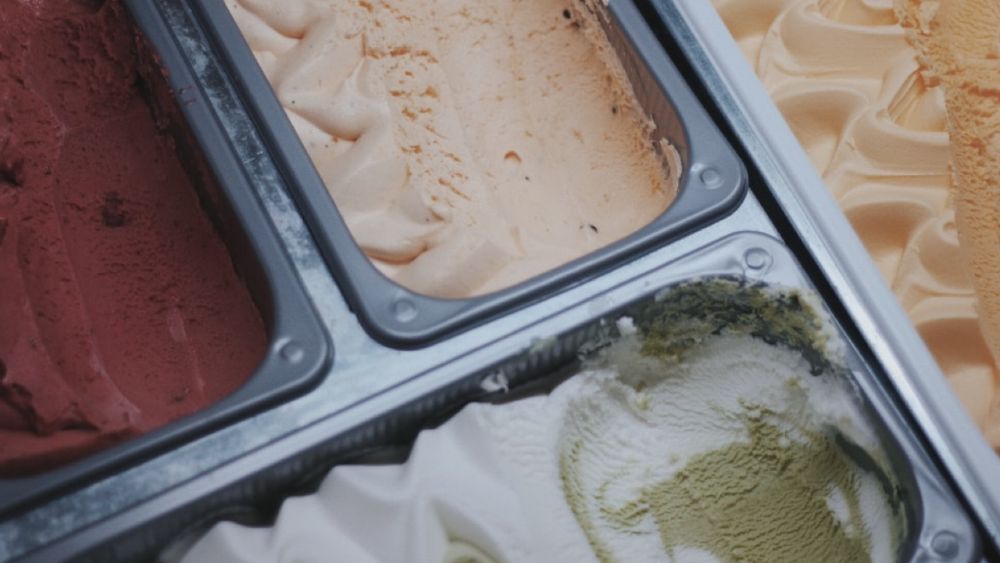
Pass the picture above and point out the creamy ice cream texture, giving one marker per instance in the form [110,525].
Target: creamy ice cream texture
[468,145]
[873,117]
[120,308]
[680,443]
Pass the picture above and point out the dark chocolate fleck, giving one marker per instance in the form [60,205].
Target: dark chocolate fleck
[181,395]
[113,214]
[567,14]
[92,6]
[12,173]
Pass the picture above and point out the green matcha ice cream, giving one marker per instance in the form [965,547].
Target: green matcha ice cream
[731,415]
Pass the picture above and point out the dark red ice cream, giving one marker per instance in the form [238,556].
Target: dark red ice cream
[120,308]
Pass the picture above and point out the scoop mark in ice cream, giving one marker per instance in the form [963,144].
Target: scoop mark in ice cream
[464,142]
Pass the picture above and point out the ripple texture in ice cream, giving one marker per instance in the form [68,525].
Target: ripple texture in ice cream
[120,309]
[469,145]
[709,448]
[874,124]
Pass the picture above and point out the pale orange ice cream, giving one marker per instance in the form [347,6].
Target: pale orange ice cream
[875,124]
[959,42]
[469,145]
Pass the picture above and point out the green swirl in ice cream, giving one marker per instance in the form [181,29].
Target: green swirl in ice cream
[754,468]
[464,552]
[765,500]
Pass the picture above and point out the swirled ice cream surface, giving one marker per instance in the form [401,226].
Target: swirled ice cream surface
[468,145]
[727,452]
[874,123]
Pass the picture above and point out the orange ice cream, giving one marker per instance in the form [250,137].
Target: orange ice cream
[959,43]
[874,121]
[469,145]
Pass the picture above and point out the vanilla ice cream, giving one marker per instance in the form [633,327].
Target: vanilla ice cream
[468,145]
[688,439]
[874,122]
